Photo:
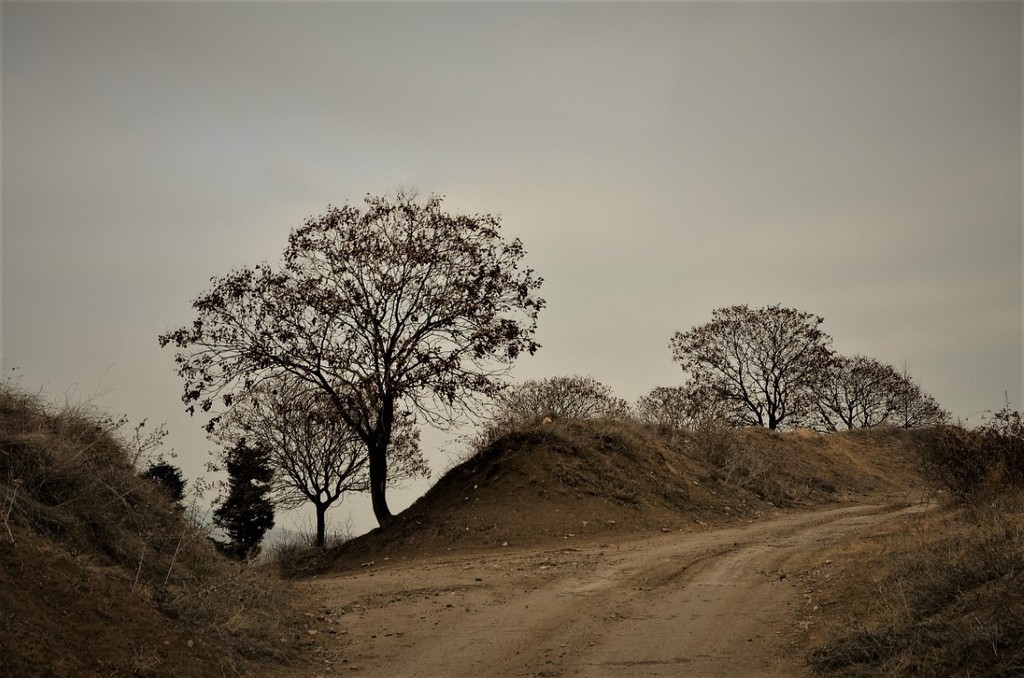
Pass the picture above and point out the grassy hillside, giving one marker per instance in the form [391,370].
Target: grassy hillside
[101,573]
[943,593]
[576,479]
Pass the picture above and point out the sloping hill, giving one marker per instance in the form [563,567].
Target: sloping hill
[583,479]
[101,573]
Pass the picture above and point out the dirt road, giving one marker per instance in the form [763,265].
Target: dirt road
[714,603]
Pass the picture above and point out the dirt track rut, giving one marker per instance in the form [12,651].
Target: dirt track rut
[715,603]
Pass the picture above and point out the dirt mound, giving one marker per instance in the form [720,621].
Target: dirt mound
[64,617]
[101,573]
[574,480]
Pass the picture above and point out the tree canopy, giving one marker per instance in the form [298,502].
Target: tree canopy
[862,392]
[398,305]
[760,363]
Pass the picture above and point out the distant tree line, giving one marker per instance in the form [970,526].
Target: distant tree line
[775,367]
[772,367]
[318,370]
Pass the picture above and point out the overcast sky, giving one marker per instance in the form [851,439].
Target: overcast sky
[861,161]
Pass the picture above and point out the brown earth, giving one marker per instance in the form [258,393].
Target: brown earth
[102,574]
[62,615]
[577,548]
[606,549]
[716,602]
[598,479]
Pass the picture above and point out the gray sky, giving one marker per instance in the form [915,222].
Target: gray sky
[858,160]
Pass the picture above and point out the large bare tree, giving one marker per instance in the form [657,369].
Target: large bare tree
[759,362]
[395,305]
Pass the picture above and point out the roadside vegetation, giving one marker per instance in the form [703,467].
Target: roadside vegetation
[945,593]
[106,566]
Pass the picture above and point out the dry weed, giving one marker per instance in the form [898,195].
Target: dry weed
[67,475]
[735,459]
[947,598]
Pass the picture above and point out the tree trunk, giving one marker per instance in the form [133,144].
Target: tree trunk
[378,485]
[321,525]
[379,445]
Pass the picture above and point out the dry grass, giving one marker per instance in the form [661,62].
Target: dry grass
[976,464]
[946,597]
[71,501]
[942,595]
[735,459]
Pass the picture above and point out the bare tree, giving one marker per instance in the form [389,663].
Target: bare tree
[570,397]
[530,401]
[681,407]
[914,407]
[862,392]
[315,456]
[857,392]
[665,406]
[398,305]
[760,363]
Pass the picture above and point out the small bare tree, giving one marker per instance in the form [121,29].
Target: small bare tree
[862,392]
[530,401]
[681,407]
[913,406]
[571,397]
[315,457]
[855,392]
